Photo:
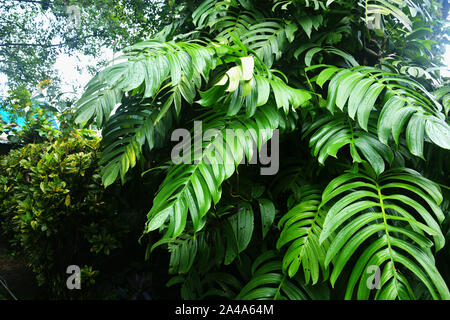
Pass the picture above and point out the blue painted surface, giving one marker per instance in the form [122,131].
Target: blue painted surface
[20,120]
[4,115]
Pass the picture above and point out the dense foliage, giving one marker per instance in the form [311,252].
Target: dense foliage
[51,199]
[35,118]
[34,33]
[359,81]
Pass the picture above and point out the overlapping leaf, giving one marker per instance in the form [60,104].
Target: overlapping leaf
[125,135]
[192,187]
[147,66]
[269,283]
[301,227]
[406,105]
[265,37]
[239,87]
[333,132]
[374,9]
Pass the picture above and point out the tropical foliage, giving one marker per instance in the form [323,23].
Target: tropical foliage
[360,81]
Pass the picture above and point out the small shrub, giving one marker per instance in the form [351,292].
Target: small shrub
[55,212]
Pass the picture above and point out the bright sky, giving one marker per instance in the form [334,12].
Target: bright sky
[72,69]
[447,61]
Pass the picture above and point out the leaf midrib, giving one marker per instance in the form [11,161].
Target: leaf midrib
[391,254]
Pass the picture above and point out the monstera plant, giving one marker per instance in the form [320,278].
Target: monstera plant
[350,98]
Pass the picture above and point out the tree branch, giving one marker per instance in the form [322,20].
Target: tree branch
[22,44]
[29,1]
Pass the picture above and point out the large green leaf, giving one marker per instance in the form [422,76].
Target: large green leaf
[301,227]
[395,214]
